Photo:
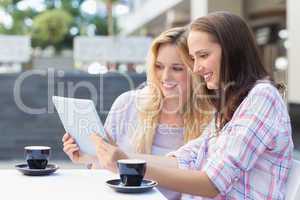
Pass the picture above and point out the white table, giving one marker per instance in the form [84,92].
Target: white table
[66,184]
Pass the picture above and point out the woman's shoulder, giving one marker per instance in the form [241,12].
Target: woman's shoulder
[128,95]
[264,88]
[264,95]
[131,102]
[125,101]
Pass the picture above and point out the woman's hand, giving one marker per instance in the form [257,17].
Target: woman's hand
[107,154]
[71,148]
[73,151]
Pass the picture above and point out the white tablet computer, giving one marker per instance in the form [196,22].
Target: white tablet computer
[80,119]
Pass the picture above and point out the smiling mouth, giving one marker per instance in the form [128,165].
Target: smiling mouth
[207,76]
[169,85]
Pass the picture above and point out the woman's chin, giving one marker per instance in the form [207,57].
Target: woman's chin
[211,86]
[170,93]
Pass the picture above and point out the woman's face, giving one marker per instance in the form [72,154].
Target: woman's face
[207,57]
[171,72]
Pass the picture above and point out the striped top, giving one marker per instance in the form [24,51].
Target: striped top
[251,156]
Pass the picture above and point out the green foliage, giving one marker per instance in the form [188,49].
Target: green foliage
[101,24]
[5,3]
[18,16]
[50,27]
[69,6]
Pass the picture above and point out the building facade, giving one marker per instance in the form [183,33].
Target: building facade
[274,22]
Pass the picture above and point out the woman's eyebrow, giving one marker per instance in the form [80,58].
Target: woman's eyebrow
[201,51]
[177,64]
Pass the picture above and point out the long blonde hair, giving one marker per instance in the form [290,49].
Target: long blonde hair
[149,99]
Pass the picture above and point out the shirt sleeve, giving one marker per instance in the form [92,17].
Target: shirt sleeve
[248,135]
[117,114]
[187,155]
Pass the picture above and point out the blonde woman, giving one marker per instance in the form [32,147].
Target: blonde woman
[165,114]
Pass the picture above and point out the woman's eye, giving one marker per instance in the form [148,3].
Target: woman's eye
[203,55]
[158,66]
[177,68]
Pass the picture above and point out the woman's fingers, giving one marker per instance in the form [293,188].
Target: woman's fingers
[110,140]
[73,150]
[69,141]
[101,154]
[65,137]
[98,141]
[94,137]
[102,151]
[68,147]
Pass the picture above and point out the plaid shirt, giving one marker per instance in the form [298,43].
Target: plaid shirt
[251,156]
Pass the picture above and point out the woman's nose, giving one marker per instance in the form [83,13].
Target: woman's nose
[166,74]
[197,68]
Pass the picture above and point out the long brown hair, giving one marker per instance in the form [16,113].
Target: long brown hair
[241,65]
[149,99]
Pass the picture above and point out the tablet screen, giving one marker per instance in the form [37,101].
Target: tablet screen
[80,119]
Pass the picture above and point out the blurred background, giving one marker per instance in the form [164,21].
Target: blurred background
[85,47]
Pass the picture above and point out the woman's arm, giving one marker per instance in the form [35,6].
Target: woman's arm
[163,161]
[184,181]
[161,169]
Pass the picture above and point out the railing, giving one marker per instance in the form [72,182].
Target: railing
[21,95]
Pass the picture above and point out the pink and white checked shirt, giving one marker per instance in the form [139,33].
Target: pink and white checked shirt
[251,157]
